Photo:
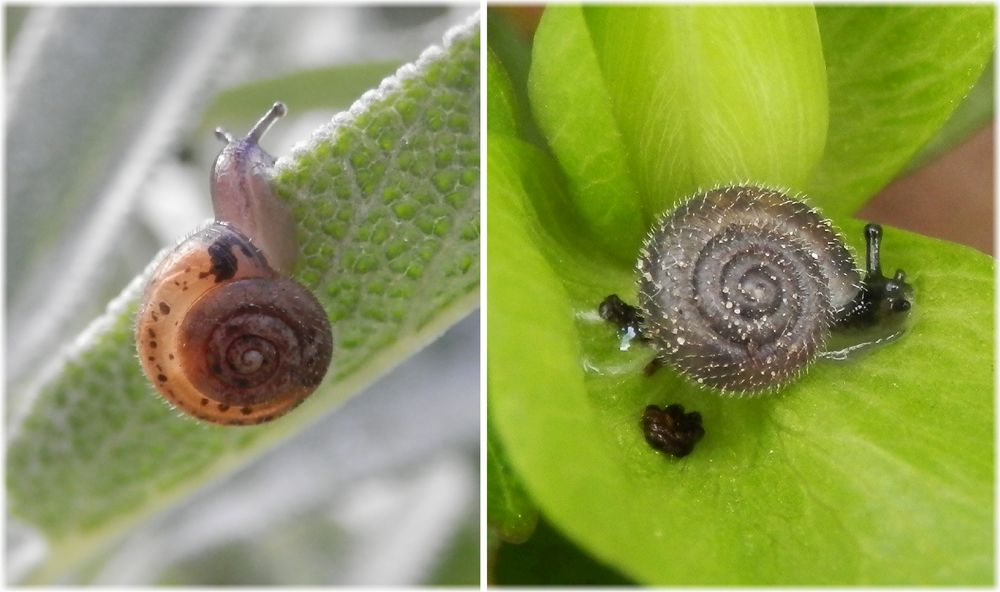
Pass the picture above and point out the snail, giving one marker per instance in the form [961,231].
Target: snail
[222,332]
[740,287]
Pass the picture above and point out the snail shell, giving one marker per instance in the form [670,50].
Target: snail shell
[740,286]
[222,334]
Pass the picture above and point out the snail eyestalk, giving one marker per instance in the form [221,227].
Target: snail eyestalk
[873,242]
[224,136]
[276,112]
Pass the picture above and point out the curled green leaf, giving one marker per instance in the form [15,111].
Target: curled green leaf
[643,105]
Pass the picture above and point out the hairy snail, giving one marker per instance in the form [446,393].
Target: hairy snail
[222,332]
[739,288]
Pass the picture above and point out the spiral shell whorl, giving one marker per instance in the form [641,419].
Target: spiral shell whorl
[738,287]
[255,342]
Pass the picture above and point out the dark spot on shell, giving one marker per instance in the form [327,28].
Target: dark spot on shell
[223,407]
[165,308]
[246,410]
[204,401]
[187,269]
[154,315]
[224,262]
[151,358]
[152,333]
[171,356]
[161,378]
[152,344]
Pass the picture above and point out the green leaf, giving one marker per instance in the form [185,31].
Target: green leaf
[509,510]
[875,471]
[501,103]
[512,50]
[387,204]
[643,105]
[896,73]
[548,559]
[974,113]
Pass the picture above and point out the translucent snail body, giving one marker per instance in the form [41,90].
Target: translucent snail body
[221,332]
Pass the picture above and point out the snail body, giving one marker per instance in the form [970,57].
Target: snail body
[739,288]
[221,332]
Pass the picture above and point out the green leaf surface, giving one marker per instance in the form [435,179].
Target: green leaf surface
[873,471]
[974,113]
[501,103]
[896,73]
[387,204]
[548,559]
[512,50]
[643,105]
[509,509]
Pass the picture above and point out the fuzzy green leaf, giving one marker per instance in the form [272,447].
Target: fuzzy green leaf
[386,198]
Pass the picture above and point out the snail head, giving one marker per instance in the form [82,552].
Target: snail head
[880,297]
[892,294]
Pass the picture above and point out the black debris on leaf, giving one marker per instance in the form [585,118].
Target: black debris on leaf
[671,430]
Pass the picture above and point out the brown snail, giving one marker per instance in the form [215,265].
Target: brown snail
[222,332]
[739,288]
